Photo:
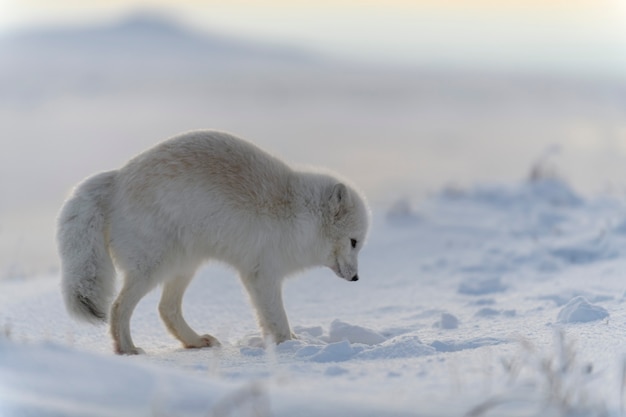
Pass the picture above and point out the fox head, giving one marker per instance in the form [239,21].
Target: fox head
[346,223]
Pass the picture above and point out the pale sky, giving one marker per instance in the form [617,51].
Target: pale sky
[575,35]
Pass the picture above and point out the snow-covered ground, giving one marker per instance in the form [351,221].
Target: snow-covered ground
[498,299]
[486,299]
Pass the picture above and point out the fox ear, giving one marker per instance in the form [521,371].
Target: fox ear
[338,200]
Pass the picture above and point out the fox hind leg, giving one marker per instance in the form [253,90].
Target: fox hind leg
[170,309]
[134,289]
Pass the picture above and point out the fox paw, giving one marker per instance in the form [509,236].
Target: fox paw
[204,341]
[280,339]
[130,351]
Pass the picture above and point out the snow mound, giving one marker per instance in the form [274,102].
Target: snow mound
[579,310]
[492,312]
[346,342]
[335,370]
[584,253]
[565,296]
[455,346]
[404,346]
[52,380]
[340,331]
[252,351]
[620,228]
[548,191]
[487,312]
[481,287]
[447,321]
[334,352]
[312,331]
[553,191]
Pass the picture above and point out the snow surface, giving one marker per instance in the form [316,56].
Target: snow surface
[493,300]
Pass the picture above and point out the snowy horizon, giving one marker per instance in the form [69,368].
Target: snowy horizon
[79,101]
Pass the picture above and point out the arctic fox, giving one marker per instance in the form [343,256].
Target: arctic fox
[198,196]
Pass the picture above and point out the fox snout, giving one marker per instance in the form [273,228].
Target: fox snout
[347,273]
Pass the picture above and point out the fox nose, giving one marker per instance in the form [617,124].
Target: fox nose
[355,278]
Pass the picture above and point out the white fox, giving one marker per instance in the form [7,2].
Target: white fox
[202,195]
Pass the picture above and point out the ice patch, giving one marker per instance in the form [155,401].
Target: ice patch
[340,330]
[482,287]
[579,310]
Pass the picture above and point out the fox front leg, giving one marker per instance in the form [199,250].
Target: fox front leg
[265,291]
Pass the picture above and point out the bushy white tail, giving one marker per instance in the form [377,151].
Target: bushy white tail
[86,266]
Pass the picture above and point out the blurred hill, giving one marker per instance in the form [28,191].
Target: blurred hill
[142,48]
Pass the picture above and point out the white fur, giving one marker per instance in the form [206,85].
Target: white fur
[203,195]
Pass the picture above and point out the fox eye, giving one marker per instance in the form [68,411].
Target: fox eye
[353,243]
